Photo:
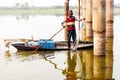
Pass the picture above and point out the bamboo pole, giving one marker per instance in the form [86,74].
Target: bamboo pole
[109,18]
[89,32]
[66,8]
[99,8]
[79,21]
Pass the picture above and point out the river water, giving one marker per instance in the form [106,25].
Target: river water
[53,65]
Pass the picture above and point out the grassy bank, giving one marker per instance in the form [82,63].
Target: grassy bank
[35,11]
[116,11]
[41,11]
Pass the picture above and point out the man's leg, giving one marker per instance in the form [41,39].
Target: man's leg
[69,38]
[74,37]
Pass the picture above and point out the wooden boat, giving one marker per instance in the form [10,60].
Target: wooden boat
[58,45]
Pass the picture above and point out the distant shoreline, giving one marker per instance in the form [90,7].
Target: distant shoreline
[41,11]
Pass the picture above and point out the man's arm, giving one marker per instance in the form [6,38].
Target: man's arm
[78,19]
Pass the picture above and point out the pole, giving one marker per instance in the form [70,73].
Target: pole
[49,39]
[78,21]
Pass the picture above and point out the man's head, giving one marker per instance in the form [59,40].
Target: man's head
[70,13]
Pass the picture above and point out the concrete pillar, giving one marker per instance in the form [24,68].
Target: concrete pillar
[66,8]
[84,16]
[109,18]
[89,31]
[99,18]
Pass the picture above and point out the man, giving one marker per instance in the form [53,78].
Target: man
[70,24]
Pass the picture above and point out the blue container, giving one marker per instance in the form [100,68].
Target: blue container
[49,45]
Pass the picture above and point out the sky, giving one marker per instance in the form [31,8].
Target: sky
[9,3]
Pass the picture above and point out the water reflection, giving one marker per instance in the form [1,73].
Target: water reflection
[23,56]
[109,58]
[74,70]
[103,65]
[22,16]
[89,64]
[79,65]
[99,70]
[84,65]
[27,16]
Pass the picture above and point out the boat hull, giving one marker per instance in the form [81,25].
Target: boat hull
[59,45]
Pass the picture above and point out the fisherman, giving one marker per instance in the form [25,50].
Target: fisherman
[71,30]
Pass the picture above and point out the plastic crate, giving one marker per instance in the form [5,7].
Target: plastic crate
[49,45]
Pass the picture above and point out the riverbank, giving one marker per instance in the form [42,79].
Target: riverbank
[41,11]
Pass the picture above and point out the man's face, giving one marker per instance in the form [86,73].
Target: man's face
[70,13]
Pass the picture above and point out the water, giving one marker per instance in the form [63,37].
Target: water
[116,47]
[24,27]
[52,65]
